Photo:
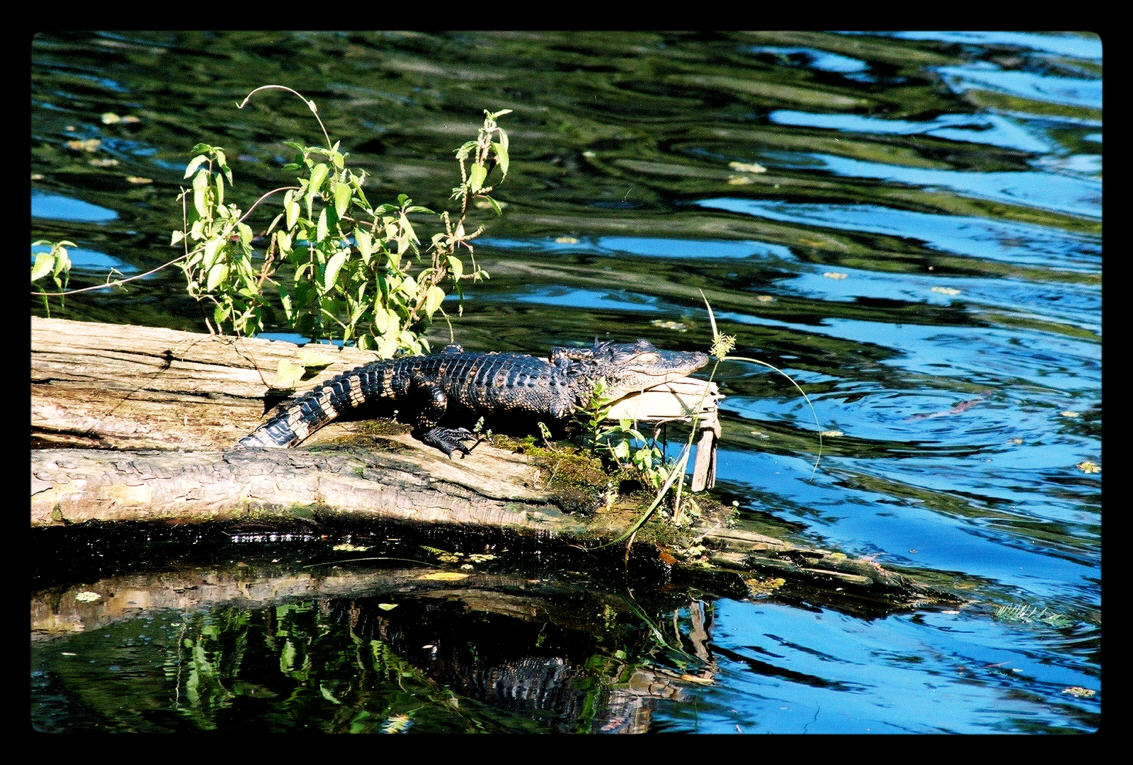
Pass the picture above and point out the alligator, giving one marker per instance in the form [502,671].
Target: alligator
[496,384]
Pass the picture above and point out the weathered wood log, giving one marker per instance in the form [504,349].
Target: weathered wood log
[128,387]
[165,408]
[138,390]
[392,479]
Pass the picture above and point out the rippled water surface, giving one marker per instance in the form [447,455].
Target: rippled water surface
[909,225]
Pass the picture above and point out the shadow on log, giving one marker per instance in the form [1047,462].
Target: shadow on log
[149,417]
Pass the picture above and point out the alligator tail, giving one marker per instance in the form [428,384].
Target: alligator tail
[320,406]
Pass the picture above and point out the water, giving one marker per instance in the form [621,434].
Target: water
[909,224]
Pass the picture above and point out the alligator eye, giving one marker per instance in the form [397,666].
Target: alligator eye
[648,357]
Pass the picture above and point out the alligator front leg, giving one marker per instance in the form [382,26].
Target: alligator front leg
[449,440]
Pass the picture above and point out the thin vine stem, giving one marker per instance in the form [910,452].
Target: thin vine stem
[310,105]
[175,261]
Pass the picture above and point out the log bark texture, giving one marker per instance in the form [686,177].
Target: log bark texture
[127,387]
[398,482]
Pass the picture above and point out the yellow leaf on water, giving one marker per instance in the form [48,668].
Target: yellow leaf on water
[946,290]
[444,576]
[747,167]
[87,596]
[1089,467]
[834,275]
[89,144]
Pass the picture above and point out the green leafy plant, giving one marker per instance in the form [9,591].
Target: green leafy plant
[55,263]
[340,266]
[622,444]
[333,264]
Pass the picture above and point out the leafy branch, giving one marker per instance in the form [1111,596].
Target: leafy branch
[334,265]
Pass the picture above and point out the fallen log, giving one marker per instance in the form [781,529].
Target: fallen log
[150,416]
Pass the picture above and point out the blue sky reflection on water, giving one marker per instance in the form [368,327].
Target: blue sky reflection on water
[899,675]
[1008,241]
[58,207]
[1061,193]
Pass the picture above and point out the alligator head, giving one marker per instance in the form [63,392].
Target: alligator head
[626,367]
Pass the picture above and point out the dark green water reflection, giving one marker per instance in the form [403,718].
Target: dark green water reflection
[908,224]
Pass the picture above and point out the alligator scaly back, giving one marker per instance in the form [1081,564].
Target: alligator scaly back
[485,384]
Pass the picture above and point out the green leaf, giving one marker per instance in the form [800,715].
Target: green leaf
[211,248]
[433,299]
[194,163]
[219,189]
[200,185]
[476,176]
[318,175]
[217,274]
[288,374]
[176,238]
[44,263]
[290,209]
[494,204]
[407,228]
[501,155]
[365,244]
[341,198]
[323,229]
[313,357]
[283,242]
[62,261]
[330,276]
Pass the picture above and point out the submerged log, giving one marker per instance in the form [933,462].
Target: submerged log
[151,415]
